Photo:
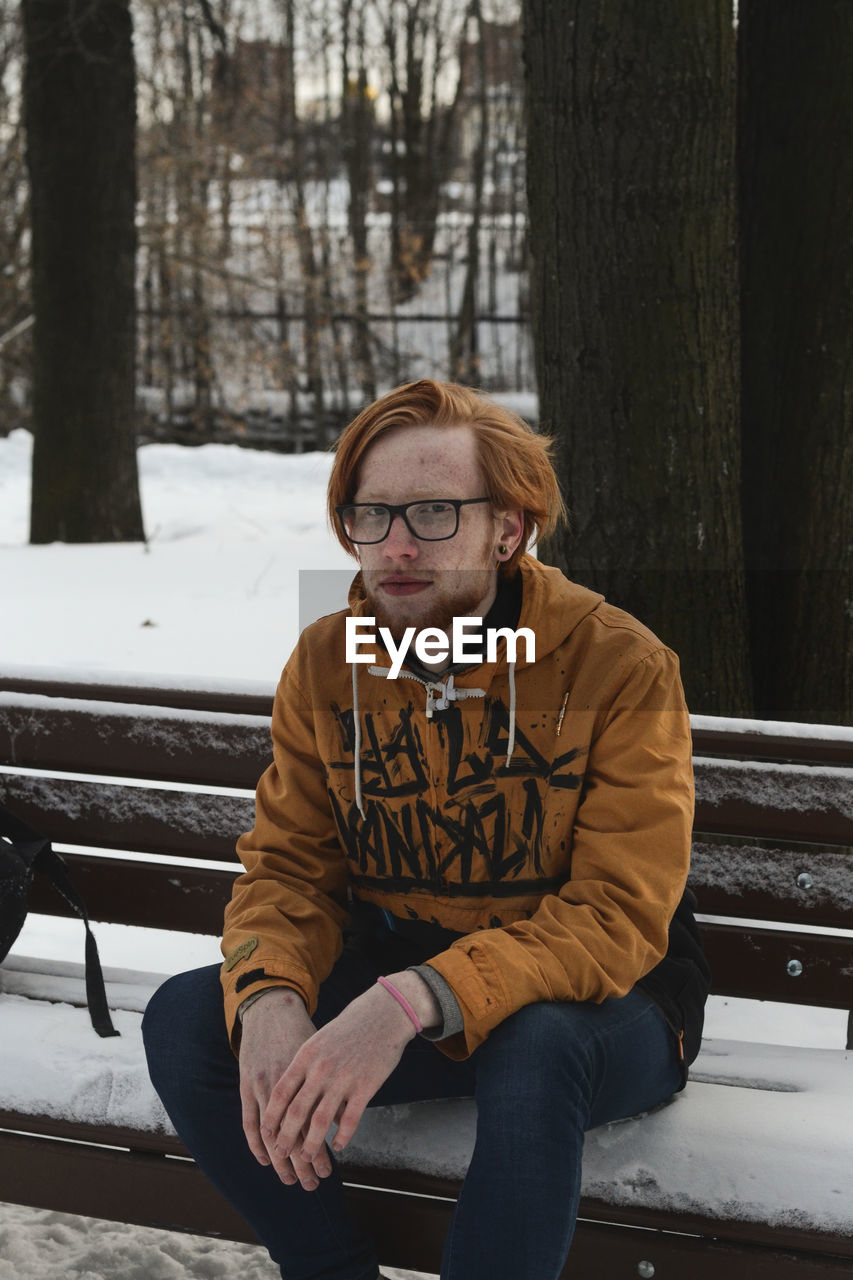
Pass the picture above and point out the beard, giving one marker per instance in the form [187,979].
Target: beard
[455,593]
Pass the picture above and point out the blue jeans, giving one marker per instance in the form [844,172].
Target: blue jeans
[542,1078]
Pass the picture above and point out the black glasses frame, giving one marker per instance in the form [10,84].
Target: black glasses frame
[402,509]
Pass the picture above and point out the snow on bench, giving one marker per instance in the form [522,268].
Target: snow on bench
[762,1132]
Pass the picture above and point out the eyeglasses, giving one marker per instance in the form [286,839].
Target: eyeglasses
[433,520]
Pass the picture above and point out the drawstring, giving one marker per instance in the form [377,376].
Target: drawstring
[357,743]
[447,692]
[510,747]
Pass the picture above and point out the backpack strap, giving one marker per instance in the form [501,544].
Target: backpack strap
[38,853]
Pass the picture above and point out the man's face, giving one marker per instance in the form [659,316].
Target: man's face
[410,582]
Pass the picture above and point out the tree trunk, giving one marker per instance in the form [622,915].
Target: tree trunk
[796,180]
[630,113]
[192,228]
[79,101]
[357,119]
[465,350]
[311,305]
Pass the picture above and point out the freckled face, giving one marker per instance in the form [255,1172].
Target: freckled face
[411,582]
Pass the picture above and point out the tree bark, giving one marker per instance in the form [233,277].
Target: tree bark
[357,120]
[80,111]
[311,303]
[464,348]
[15,302]
[194,205]
[630,112]
[796,180]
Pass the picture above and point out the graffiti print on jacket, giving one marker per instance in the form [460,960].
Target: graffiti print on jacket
[461,823]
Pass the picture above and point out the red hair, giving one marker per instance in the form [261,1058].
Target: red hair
[515,459]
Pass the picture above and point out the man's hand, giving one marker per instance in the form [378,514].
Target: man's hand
[274,1030]
[337,1071]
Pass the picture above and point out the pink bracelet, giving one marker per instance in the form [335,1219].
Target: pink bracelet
[402,1002]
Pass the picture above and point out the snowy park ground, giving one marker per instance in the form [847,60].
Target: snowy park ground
[212,596]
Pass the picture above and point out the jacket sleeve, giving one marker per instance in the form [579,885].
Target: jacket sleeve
[283,925]
[607,926]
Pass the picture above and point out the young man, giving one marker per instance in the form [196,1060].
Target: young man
[465,878]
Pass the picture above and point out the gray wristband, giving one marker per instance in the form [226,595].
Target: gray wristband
[451,1013]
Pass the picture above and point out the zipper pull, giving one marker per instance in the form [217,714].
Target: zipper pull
[430,700]
[562,713]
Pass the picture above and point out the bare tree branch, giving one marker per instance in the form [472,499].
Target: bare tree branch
[214,27]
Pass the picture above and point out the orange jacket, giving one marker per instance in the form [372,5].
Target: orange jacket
[562,860]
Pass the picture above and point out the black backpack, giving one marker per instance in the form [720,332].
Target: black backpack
[23,851]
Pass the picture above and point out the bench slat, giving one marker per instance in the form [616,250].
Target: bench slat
[753,963]
[757,740]
[131,892]
[820,745]
[138,893]
[139,819]
[104,738]
[152,1190]
[731,799]
[745,961]
[220,701]
[785,802]
[757,882]
[103,1134]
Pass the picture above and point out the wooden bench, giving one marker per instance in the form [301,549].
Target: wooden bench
[749,1171]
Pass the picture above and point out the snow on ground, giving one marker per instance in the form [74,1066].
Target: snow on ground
[212,595]
[38,1245]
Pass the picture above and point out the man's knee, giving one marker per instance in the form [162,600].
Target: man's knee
[547,1027]
[546,1044]
[183,1013]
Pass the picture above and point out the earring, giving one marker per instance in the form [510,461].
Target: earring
[502,548]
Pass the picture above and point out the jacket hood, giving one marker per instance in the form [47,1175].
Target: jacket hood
[552,605]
